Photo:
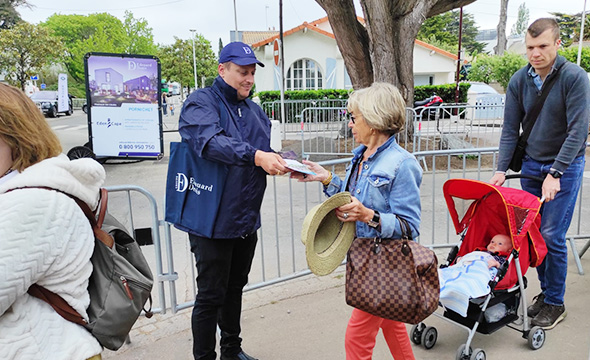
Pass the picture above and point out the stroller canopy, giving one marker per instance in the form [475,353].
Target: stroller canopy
[487,210]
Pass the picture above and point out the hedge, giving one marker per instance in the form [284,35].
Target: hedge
[446,92]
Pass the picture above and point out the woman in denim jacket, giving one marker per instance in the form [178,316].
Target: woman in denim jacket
[384,180]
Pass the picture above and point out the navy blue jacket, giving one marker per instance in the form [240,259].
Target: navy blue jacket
[248,130]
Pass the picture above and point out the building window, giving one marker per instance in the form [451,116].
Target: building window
[304,74]
[107,76]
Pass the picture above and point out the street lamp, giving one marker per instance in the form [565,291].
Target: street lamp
[194,58]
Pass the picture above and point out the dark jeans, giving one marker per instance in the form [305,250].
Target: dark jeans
[556,216]
[222,272]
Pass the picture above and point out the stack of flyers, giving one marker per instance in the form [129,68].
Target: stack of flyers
[299,167]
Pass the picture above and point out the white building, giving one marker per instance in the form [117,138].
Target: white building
[313,61]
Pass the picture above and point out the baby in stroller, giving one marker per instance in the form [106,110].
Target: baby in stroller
[470,275]
[479,212]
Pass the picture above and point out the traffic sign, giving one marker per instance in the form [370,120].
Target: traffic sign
[276,52]
[42,86]
[34,77]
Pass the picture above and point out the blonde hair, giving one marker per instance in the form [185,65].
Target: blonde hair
[381,105]
[24,128]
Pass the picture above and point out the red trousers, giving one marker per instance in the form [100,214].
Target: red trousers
[361,335]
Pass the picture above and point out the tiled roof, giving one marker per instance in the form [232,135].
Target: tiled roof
[252,37]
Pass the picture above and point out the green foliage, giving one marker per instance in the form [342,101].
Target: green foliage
[487,68]
[482,69]
[569,26]
[522,21]
[93,33]
[8,14]
[177,61]
[26,49]
[140,40]
[506,66]
[446,92]
[275,95]
[445,29]
[571,54]
[99,32]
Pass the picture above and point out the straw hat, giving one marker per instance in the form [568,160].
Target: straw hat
[325,237]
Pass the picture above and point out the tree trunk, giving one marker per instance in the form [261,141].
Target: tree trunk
[382,49]
[501,30]
[352,40]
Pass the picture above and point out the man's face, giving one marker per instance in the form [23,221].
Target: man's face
[239,77]
[542,50]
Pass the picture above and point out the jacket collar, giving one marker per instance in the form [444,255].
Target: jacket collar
[228,92]
[358,151]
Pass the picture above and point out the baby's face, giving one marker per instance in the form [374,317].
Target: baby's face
[500,243]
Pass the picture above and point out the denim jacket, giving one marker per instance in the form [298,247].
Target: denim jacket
[390,184]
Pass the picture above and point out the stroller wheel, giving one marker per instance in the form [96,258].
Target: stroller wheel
[429,337]
[478,354]
[536,337]
[416,333]
[461,355]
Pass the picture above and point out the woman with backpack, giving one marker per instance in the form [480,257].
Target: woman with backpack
[45,238]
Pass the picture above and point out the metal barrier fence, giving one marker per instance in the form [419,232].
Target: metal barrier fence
[295,107]
[149,234]
[280,256]
[324,130]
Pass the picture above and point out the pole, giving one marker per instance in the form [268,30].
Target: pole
[236,38]
[282,69]
[581,34]
[194,59]
[459,60]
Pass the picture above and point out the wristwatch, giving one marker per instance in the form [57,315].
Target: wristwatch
[374,222]
[555,173]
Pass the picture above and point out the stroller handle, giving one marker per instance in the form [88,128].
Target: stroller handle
[526,176]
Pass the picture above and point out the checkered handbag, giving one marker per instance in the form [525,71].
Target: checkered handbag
[395,279]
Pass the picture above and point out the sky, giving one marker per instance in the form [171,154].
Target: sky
[215,18]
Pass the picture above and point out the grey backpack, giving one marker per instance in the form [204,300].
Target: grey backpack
[120,284]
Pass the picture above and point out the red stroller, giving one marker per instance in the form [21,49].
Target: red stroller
[479,211]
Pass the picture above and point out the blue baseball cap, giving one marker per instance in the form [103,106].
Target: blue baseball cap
[238,53]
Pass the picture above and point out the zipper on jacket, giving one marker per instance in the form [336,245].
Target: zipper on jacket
[239,112]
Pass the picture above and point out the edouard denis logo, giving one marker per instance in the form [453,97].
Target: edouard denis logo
[182,183]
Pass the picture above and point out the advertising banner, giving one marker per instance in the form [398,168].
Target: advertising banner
[123,100]
[63,103]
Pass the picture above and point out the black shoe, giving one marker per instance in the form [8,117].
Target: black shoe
[535,308]
[549,316]
[240,356]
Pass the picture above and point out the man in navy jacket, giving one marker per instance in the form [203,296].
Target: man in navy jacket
[223,261]
[554,152]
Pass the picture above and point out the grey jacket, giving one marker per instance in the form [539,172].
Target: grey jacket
[561,130]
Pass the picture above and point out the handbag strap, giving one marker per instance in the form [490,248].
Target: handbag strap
[406,232]
[534,113]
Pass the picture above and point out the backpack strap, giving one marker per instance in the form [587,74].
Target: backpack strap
[57,302]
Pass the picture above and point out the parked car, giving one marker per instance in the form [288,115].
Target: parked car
[481,92]
[46,101]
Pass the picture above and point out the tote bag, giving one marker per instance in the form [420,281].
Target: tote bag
[194,187]
[193,190]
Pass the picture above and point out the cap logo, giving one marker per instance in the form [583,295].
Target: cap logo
[247,50]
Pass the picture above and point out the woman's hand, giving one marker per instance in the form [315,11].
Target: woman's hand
[321,174]
[355,211]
